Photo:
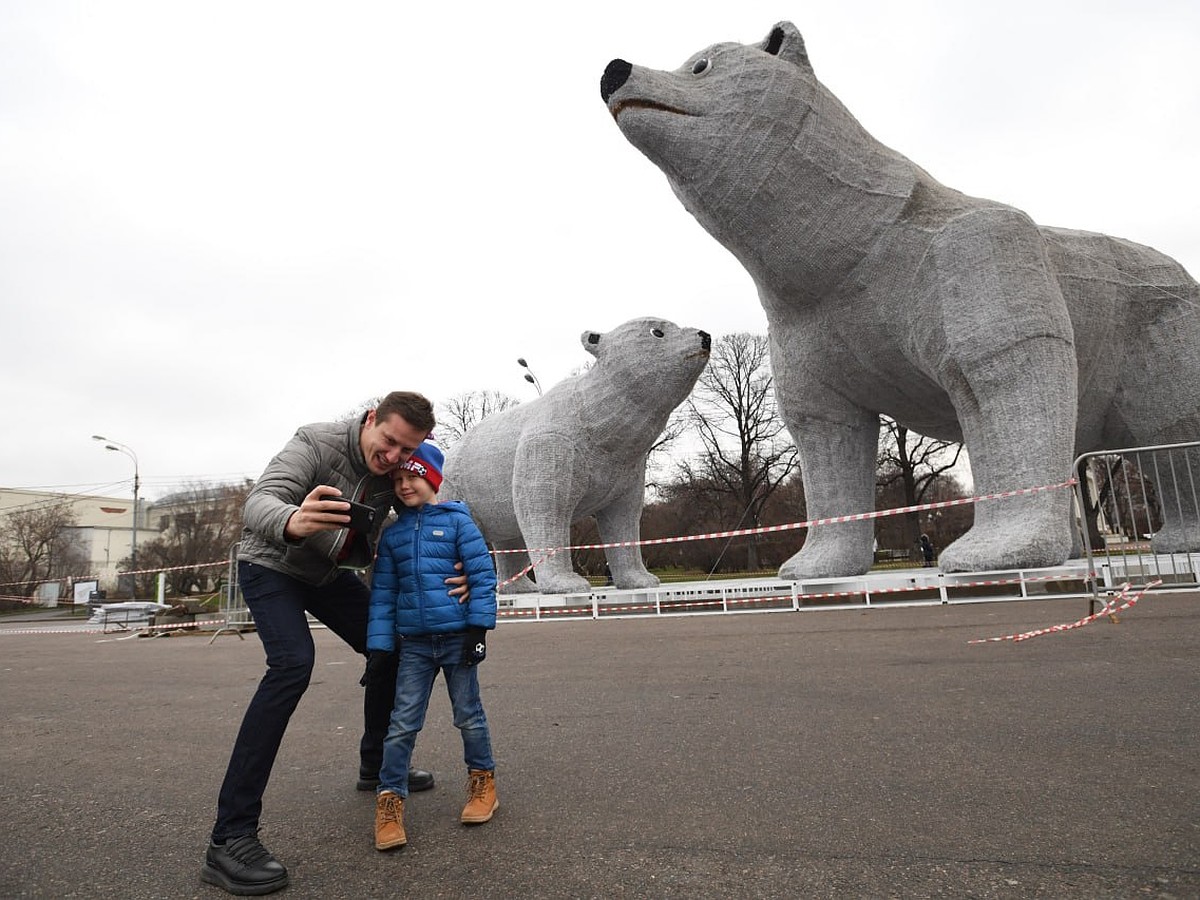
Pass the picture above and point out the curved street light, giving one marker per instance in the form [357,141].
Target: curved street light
[529,376]
[128,451]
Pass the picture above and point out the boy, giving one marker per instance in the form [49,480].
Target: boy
[412,615]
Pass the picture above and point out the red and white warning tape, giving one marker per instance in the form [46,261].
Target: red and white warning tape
[525,571]
[811,523]
[669,603]
[153,571]
[548,552]
[713,535]
[130,628]
[1110,608]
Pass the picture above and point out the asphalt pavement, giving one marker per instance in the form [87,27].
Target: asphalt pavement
[860,753]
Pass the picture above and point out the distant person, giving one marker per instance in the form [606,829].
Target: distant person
[926,550]
[296,557]
[411,615]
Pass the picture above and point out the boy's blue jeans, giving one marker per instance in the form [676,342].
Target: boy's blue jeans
[420,660]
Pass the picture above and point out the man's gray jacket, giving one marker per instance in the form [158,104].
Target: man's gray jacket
[325,453]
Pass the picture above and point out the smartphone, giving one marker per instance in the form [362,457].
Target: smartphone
[362,517]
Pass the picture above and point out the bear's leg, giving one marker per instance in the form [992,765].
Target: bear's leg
[1017,410]
[1159,401]
[549,476]
[621,522]
[1003,348]
[507,567]
[837,462]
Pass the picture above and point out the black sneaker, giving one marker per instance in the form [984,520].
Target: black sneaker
[418,780]
[243,866]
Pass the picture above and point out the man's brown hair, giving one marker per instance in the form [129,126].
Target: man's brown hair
[413,408]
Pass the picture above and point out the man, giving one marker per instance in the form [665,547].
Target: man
[294,558]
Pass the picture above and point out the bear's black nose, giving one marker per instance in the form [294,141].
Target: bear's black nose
[615,75]
[706,340]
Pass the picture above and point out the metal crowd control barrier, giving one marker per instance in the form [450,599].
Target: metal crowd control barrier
[233,607]
[1138,513]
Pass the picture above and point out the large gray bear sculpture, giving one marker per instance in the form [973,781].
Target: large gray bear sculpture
[529,472]
[888,292]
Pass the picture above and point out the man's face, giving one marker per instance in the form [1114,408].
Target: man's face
[388,442]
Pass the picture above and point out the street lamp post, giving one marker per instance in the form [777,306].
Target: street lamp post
[128,451]
[529,376]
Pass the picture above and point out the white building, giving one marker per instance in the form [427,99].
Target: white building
[104,525]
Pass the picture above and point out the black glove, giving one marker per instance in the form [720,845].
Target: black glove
[474,646]
[378,662]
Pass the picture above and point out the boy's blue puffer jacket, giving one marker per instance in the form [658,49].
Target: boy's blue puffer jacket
[416,556]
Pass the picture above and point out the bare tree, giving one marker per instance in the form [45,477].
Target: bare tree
[11,569]
[203,523]
[700,507]
[462,412]
[915,464]
[659,460]
[358,409]
[38,544]
[746,451]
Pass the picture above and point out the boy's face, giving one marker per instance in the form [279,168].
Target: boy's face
[412,489]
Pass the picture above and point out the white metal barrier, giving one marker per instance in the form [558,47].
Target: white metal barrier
[903,587]
[234,612]
[1138,516]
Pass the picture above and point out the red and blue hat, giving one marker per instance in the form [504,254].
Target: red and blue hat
[426,461]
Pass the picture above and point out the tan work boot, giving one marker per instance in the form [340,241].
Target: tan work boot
[481,797]
[389,821]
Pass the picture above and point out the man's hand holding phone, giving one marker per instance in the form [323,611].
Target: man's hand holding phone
[325,509]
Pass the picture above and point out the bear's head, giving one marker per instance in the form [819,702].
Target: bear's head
[721,116]
[651,359]
[765,157]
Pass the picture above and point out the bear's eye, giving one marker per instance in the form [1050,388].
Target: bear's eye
[702,65]
[657,332]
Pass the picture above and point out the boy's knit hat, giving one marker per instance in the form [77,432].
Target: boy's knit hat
[427,461]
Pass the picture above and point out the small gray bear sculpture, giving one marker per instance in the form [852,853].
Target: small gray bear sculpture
[888,292]
[529,472]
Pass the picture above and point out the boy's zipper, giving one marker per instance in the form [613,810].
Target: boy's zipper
[416,555]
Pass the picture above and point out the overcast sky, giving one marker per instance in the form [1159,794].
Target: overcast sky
[220,220]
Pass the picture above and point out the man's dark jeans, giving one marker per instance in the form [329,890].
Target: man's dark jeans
[278,604]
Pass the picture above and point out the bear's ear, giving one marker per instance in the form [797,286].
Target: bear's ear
[785,42]
[591,342]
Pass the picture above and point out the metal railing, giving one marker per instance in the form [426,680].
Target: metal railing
[233,607]
[1137,510]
